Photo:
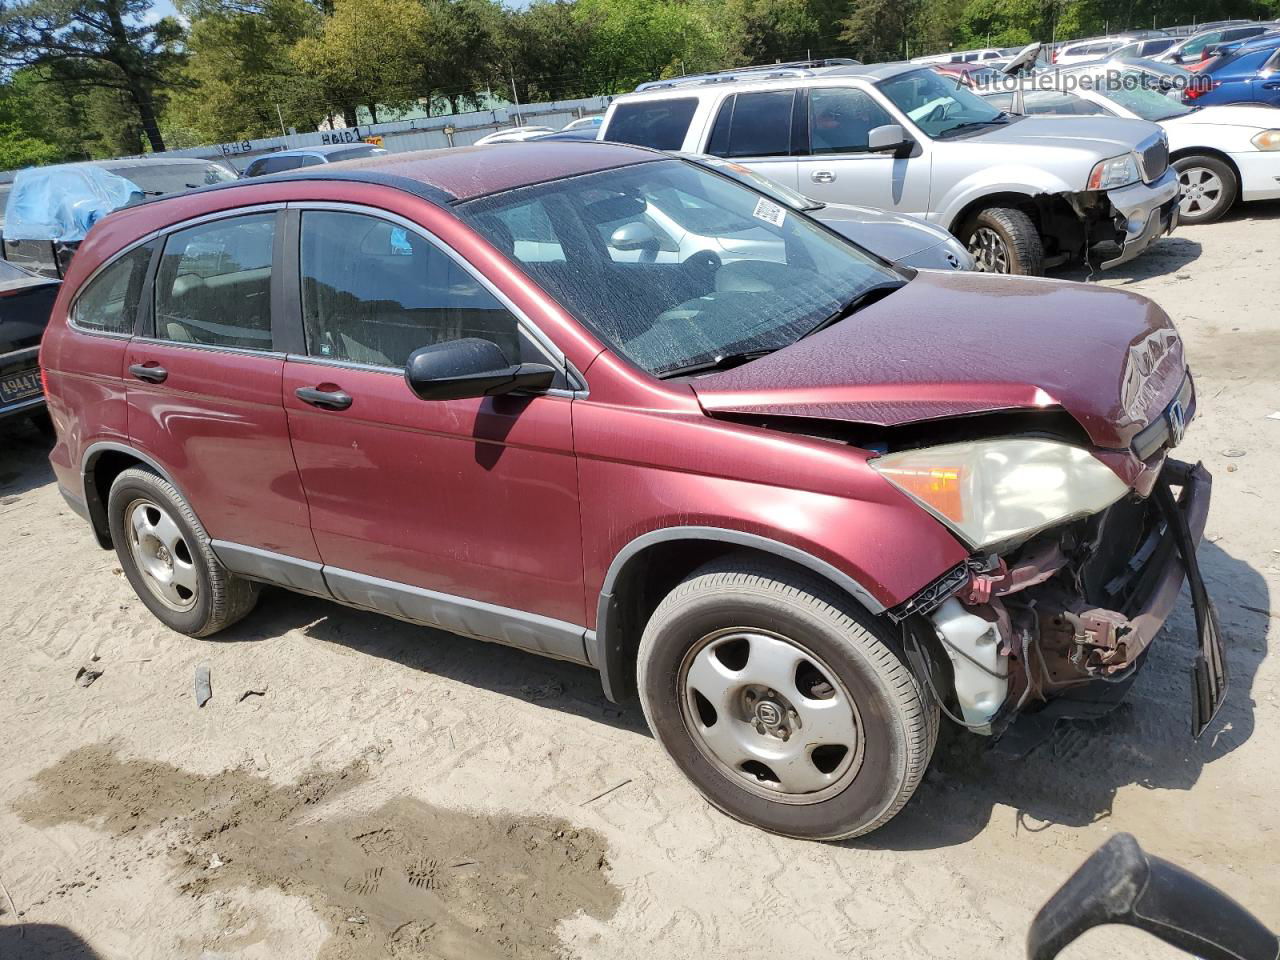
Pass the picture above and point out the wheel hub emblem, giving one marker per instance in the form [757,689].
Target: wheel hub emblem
[768,713]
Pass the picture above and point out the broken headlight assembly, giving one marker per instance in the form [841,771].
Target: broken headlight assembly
[997,491]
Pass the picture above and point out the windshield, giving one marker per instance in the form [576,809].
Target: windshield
[939,106]
[158,179]
[757,279]
[1139,92]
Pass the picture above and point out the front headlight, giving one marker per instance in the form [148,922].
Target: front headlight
[991,491]
[1116,172]
[1267,140]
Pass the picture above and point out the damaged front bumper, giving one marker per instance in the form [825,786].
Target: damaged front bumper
[1061,625]
[1143,213]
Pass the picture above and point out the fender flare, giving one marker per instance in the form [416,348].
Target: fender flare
[96,507]
[605,645]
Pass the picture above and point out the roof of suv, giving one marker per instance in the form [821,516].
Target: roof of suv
[789,78]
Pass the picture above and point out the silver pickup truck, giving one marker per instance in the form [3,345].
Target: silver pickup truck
[1022,193]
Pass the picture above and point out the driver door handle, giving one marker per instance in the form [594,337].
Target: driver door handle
[822,176]
[330,399]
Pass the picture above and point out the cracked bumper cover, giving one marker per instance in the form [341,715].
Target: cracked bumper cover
[1147,211]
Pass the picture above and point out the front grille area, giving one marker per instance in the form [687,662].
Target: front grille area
[1155,158]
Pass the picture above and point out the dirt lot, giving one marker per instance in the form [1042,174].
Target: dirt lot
[360,788]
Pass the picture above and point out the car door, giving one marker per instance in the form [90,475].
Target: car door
[459,513]
[203,385]
[840,168]
[1264,85]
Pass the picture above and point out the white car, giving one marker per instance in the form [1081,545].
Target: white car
[585,123]
[514,135]
[1094,48]
[1221,153]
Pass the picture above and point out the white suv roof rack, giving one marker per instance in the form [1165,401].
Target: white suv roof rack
[768,71]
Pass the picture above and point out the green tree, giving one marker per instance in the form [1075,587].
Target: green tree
[240,76]
[638,40]
[97,44]
[880,30]
[22,140]
[547,49]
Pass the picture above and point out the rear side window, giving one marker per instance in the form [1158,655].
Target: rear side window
[214,284]
[110,301]
[267,165]
[1053,102]
[374,292]
[840,119]
[660,124]
[753,125]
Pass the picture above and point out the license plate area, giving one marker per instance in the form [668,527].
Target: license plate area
[20,386]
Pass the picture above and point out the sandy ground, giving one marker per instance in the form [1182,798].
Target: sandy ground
[392,791]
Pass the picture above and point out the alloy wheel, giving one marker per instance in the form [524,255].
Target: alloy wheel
[1201,191]
[162,555]
[990,255]
[770,715]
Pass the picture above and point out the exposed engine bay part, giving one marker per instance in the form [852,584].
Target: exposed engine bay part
[979,665]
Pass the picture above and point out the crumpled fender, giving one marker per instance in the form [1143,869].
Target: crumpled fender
[1005,179]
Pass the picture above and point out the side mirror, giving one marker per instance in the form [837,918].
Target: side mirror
[1120,883]
[635,236]
[471,367]
[889,138]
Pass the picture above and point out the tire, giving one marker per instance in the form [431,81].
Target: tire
[1209,188]
[772,613]
[155,531]
[1004,240]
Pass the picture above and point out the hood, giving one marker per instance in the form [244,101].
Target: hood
[1107,136]
[1256,116]
[892,235]
[952,344]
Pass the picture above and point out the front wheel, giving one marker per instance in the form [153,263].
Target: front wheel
[1209,188]
[1004,240]
[777,697]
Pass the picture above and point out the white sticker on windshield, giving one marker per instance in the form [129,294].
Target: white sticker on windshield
[769,212]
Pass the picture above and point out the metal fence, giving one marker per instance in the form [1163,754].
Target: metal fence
[398,136]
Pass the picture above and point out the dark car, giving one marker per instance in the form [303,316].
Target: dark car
[799,504]
[26,300]
[310,157]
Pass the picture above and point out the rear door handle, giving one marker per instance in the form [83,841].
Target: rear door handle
[330,399]
[822,176]
[151,372]
[1271,85]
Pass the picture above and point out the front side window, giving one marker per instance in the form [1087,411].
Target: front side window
[751,274]
[660,124]
[841,117]
[110,301]
[214,284]
[940,108]
[374,292]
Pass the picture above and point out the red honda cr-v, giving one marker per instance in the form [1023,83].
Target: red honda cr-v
[798,499]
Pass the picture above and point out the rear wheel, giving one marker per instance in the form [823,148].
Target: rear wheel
[1209,188]
[775,694]
[165,553]
[1004,240]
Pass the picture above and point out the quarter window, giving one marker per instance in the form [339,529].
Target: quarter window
[110,302]
[374,292]
[214,284]
[660,124]
[840,119]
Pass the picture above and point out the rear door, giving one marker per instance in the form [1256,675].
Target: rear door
[841,169]
[461,513]
[204,381]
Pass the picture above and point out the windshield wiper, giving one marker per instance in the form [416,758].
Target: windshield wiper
[864,299]
[724,361]
[1001,119]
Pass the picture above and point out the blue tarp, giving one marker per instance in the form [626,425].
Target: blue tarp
[62,202]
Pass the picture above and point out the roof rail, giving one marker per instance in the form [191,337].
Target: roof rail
[707,78]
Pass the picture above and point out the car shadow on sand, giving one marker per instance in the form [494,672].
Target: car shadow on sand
[1167,255]
[557,685]
[43,941]
[1071,779]
[24,457]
